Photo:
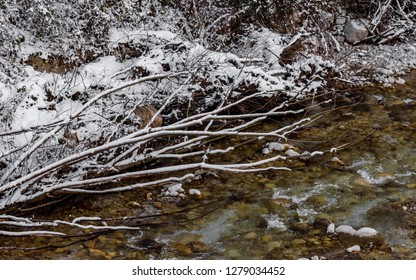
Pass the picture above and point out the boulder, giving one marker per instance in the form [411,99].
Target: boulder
[355,30]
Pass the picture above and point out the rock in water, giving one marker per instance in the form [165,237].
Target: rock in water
[355,30]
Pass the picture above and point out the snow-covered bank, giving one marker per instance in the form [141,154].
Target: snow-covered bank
[93,88]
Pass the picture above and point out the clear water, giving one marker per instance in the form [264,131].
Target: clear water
[270,215]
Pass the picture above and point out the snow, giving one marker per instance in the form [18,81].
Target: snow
[366,232]
[194,192]
[33,101]
[345,229]
[355,248]
[362,232]
[274,146]
[292,153]
[331,228]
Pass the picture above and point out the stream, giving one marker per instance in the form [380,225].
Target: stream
[370,181]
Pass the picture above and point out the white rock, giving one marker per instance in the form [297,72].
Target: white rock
[292,153]
[265,151]
[346,229]
[305,155]
[176,188]
[194,192]
[335,159]
[274,146]
[354,248]
[330,228]
[400,81]
[173,193]
[366,232]
[315,258]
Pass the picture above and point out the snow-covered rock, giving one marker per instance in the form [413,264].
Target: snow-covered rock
[331,228]
[195,193]
[355,30]
[355,248]
[366,232]
[174,190]
[292,153]
[345,229]
[276,146]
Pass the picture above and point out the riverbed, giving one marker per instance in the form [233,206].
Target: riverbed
[368,181]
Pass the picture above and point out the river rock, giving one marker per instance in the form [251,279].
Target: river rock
[198,247]
[250,236]
[181,249]
[266,238]
[321,223]
[355,30]
[363,237]
[274,245]
[298,242]
[97,254]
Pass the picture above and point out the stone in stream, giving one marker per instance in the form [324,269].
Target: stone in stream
[198,247]
[181,249]
[321,223]
[364,236]
[98,254]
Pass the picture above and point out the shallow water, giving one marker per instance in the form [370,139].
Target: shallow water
[270,215]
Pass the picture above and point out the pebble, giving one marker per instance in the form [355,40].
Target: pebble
[198,247]
[331,228]
[305,155]
[270,185]
[181,249]
[233,253]
[97,254]
[274,146]
[298,242]
[59,250]
[250,236]
[112,254]
[355,248]
[90,243]
[274,245]
[360,182]
[266,238]
[345,229]
[315,241]
[366,232]
[411,186]
[336,163]
[292,153]
[195,193]
[301,227]
[262,179]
